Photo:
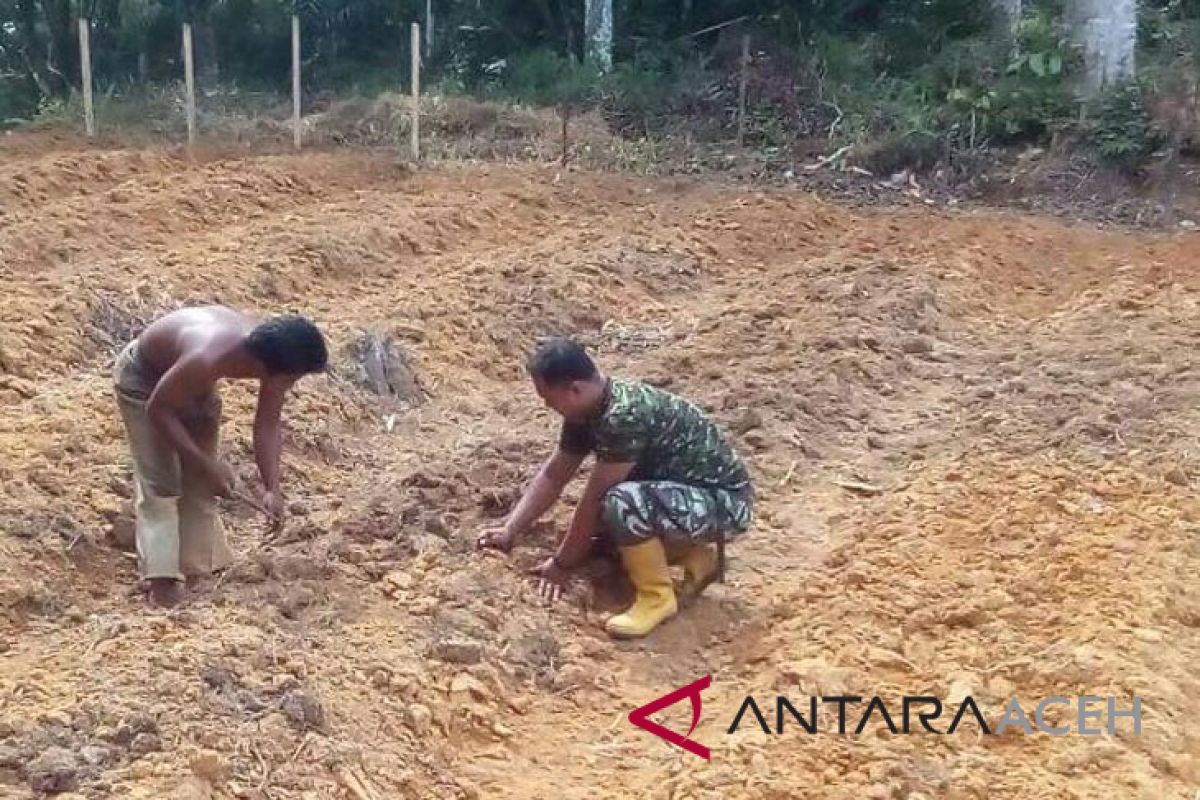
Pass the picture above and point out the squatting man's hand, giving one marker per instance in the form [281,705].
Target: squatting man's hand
[497,537]
[552,580]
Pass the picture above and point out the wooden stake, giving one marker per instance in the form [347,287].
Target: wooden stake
[85,64]
[189,73]
[741,117]
[296,81]
[416,91]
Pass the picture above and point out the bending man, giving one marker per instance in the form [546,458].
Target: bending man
[666,483]
[166,383]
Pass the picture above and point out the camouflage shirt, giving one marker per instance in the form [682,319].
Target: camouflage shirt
[667,437]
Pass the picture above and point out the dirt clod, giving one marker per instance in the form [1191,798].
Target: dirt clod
[120,533]
[747,421]
[303,709]
[458,651]
[145,743]
[1177,476]
[420,718]
[54,771]
[192,789]
[10,757]
[95,755]
[465,685]
[210,767]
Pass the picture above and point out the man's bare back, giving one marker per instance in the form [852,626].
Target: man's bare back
[210,333]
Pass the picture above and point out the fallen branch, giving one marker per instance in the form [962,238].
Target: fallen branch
[357,786]
[712,28]
[788,476]
[266,769]
[840,116]
[300,748]
[829,159]
[859,487]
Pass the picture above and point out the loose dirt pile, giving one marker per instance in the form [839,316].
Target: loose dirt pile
[971,433]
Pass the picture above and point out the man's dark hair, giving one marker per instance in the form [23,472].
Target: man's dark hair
[289,345]
[558,361]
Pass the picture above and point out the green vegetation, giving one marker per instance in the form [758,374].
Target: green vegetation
[908,83]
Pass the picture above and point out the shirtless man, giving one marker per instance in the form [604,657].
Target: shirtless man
[166,390]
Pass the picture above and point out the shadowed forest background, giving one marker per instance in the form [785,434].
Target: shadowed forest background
[907,84]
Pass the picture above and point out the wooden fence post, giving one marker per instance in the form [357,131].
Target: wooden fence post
[416,91]
[189,73]
[296,81]
[85,65]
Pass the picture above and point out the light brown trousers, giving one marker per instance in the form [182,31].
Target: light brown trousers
[179,530]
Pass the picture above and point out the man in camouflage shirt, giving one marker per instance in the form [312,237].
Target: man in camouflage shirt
[666,485]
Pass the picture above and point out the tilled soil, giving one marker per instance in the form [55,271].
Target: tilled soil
[972,436]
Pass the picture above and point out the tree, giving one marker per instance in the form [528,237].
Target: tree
[135,18]
[1010,11]
[1106,31]
[599,34]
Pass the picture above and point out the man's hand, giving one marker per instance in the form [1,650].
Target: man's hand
[498,537]
[224,481]
[552,580]
[274,505]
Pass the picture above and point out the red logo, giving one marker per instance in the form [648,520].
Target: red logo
[641,716]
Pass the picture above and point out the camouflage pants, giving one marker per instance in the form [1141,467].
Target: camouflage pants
[634,511]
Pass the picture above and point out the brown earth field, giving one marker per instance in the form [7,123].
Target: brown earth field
[973,435]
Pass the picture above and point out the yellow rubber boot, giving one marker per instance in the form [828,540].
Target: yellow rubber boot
[646,565]
[699,570]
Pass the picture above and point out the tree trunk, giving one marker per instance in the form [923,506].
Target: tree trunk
[32,46]
[1106,30]
[1009,12]
[598,33]
[567,27]
[429,29]
[63,54]
[1011,9]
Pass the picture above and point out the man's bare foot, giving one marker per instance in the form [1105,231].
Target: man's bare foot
[165,592]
